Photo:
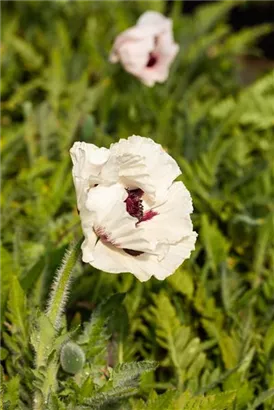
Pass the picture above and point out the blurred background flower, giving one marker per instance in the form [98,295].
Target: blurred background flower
[147,49]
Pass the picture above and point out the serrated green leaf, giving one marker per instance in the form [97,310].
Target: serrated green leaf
[17,309]
[156,402]
[11,394]
[109,397]
[222,401]
[127,374]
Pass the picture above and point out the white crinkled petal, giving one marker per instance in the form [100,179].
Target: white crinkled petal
[88,161]
[110,259]
[142,163]
[172,221]
[88,245]
[131,170]
[143,267]
[108,208]
[177,253]
[87,222]
[81,188]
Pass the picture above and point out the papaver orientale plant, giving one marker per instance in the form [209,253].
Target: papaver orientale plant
[147,49]
[135,218]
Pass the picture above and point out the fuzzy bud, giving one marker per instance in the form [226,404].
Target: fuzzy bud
[72,358]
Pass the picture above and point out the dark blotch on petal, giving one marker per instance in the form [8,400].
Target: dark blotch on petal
[132,252]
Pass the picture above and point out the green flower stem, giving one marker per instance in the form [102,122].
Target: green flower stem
[61,285]
[56,305]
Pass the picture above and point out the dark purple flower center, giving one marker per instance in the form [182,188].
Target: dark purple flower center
[134,206]
[134,203]
[152,60]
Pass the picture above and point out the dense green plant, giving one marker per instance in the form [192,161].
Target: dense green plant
[204,338]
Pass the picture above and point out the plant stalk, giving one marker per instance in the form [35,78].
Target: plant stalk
[56,305]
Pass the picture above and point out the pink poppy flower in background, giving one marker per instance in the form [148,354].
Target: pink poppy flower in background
[135,218]
[147,49]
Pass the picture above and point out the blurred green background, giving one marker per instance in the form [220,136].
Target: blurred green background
[210,325]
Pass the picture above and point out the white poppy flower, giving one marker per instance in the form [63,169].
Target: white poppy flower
[147,49]
[134,217]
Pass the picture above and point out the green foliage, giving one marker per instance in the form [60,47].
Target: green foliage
[184,351]
[222,401]
[162,402]
[202,339]
[185,401]
[214,242]
[108,398]
[96,332]
[6,262]
[51,344]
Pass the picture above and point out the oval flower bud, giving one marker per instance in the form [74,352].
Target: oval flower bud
[72,358]
[147,49]
[134,217]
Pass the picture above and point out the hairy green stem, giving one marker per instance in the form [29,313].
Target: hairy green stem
[56,305]
[60,288]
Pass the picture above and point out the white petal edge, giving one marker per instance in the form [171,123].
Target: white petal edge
[172,221]
[177,254]
[88,161]
[110,259]
[88,246]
